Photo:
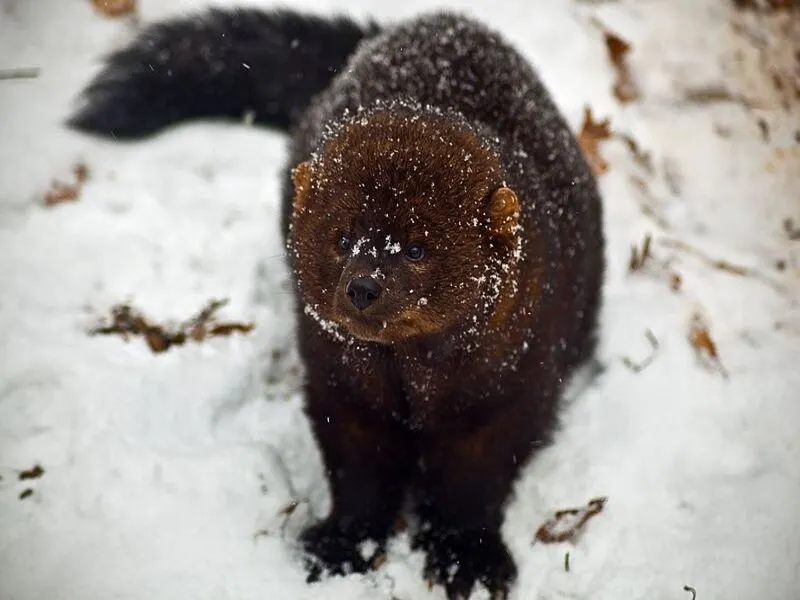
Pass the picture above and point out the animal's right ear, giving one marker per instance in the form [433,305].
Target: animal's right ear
[301,178]
[504,211]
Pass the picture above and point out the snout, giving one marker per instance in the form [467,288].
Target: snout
[363,291]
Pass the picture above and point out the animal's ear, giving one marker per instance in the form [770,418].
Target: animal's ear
[503,211]
[301,178]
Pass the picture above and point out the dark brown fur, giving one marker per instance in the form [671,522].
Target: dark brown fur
[447,398]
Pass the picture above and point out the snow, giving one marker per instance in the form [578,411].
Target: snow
[161,470]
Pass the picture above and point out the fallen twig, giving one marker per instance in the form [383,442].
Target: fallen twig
[20,73]
[639,257]
[640,366]
[719,264]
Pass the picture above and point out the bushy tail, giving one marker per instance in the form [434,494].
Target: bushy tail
[222,63]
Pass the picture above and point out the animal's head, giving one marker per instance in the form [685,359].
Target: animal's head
[402,227]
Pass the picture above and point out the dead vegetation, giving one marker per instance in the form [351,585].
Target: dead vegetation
[638,367]
[624,88]
[20,73]
[115,8]
[722,265]
[568,524]
[642,259]
[61,192]
[766,5]
[591,134]
[34,472]
[791,230]
[126,321]
[703,344]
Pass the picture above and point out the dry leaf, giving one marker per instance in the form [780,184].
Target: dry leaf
[567,524]
[624,87]
[675,282]
[61,192]
[115,8]
[590,136]
[703,344]
[33,473]
[81,172]
[792,230]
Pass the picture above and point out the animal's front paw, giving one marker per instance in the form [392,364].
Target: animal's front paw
[457,559]
[332,549]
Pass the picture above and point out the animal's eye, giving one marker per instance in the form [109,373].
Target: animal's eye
[344,242]
[415,252]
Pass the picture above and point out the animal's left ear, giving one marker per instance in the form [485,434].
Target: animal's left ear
[503,211]
[301,178]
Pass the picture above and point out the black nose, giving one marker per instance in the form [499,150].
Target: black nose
[363,291]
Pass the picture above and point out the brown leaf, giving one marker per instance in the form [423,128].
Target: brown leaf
[33,473]
[115,8]
[624,87]
[81,172]
[675,282]
[223,329]
[567,524]
[157,339]
[700,339]
[198,332]
[591,134]
[61,192]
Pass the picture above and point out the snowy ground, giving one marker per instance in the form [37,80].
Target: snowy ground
[159,470]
